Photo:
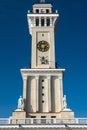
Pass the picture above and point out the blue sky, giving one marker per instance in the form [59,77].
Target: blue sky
[71,51]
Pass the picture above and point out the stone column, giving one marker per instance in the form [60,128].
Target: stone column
[39,21]
[45,22]
[37,93]
[34,21]
[49,92]
[25,89]
[61,91]
[50,21]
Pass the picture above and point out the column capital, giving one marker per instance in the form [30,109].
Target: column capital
[60,77]
[24,77]
[37,77]
[48,76]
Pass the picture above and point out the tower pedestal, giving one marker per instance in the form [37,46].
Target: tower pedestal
[67,114]
[18,114]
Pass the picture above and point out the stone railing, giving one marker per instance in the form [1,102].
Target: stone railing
[43,121]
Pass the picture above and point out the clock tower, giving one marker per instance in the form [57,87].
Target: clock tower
[42,27]
[43,82]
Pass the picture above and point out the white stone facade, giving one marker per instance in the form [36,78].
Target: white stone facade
[44,90]
[43,82]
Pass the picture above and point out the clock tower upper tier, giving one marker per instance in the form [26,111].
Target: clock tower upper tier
[42,23]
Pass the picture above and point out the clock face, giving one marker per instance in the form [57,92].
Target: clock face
[43,46]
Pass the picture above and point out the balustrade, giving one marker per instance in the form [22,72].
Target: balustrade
[43,121]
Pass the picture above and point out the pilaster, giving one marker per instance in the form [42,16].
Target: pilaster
[61,91]
[37,92]
[25,89]
[49,92]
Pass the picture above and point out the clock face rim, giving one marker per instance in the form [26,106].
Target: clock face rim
[43,46]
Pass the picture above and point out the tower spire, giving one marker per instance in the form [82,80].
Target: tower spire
[42,1]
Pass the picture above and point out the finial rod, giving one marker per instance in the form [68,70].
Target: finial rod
[42,1]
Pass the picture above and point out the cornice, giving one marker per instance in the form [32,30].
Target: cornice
[42,72]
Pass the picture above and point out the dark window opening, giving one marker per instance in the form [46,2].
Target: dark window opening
[48,22]
[42,22]
[42,80]
[42,101]
[37,22]
[47,11]
[53,116]
[33,116]
[42,87]
[42,94]
[43,116]
[43,35]
[37,10]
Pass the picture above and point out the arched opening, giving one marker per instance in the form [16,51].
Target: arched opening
[37,21]
[42,22]
[48,21]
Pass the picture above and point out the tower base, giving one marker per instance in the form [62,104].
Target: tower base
[65,114]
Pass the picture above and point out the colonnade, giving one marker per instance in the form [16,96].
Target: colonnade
[43,21]
[47,106]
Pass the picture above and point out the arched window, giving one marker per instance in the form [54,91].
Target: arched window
[48,21]
[42,22]
[37,21]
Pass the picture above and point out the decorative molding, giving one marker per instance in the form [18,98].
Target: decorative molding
[55,15]
[42,72]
